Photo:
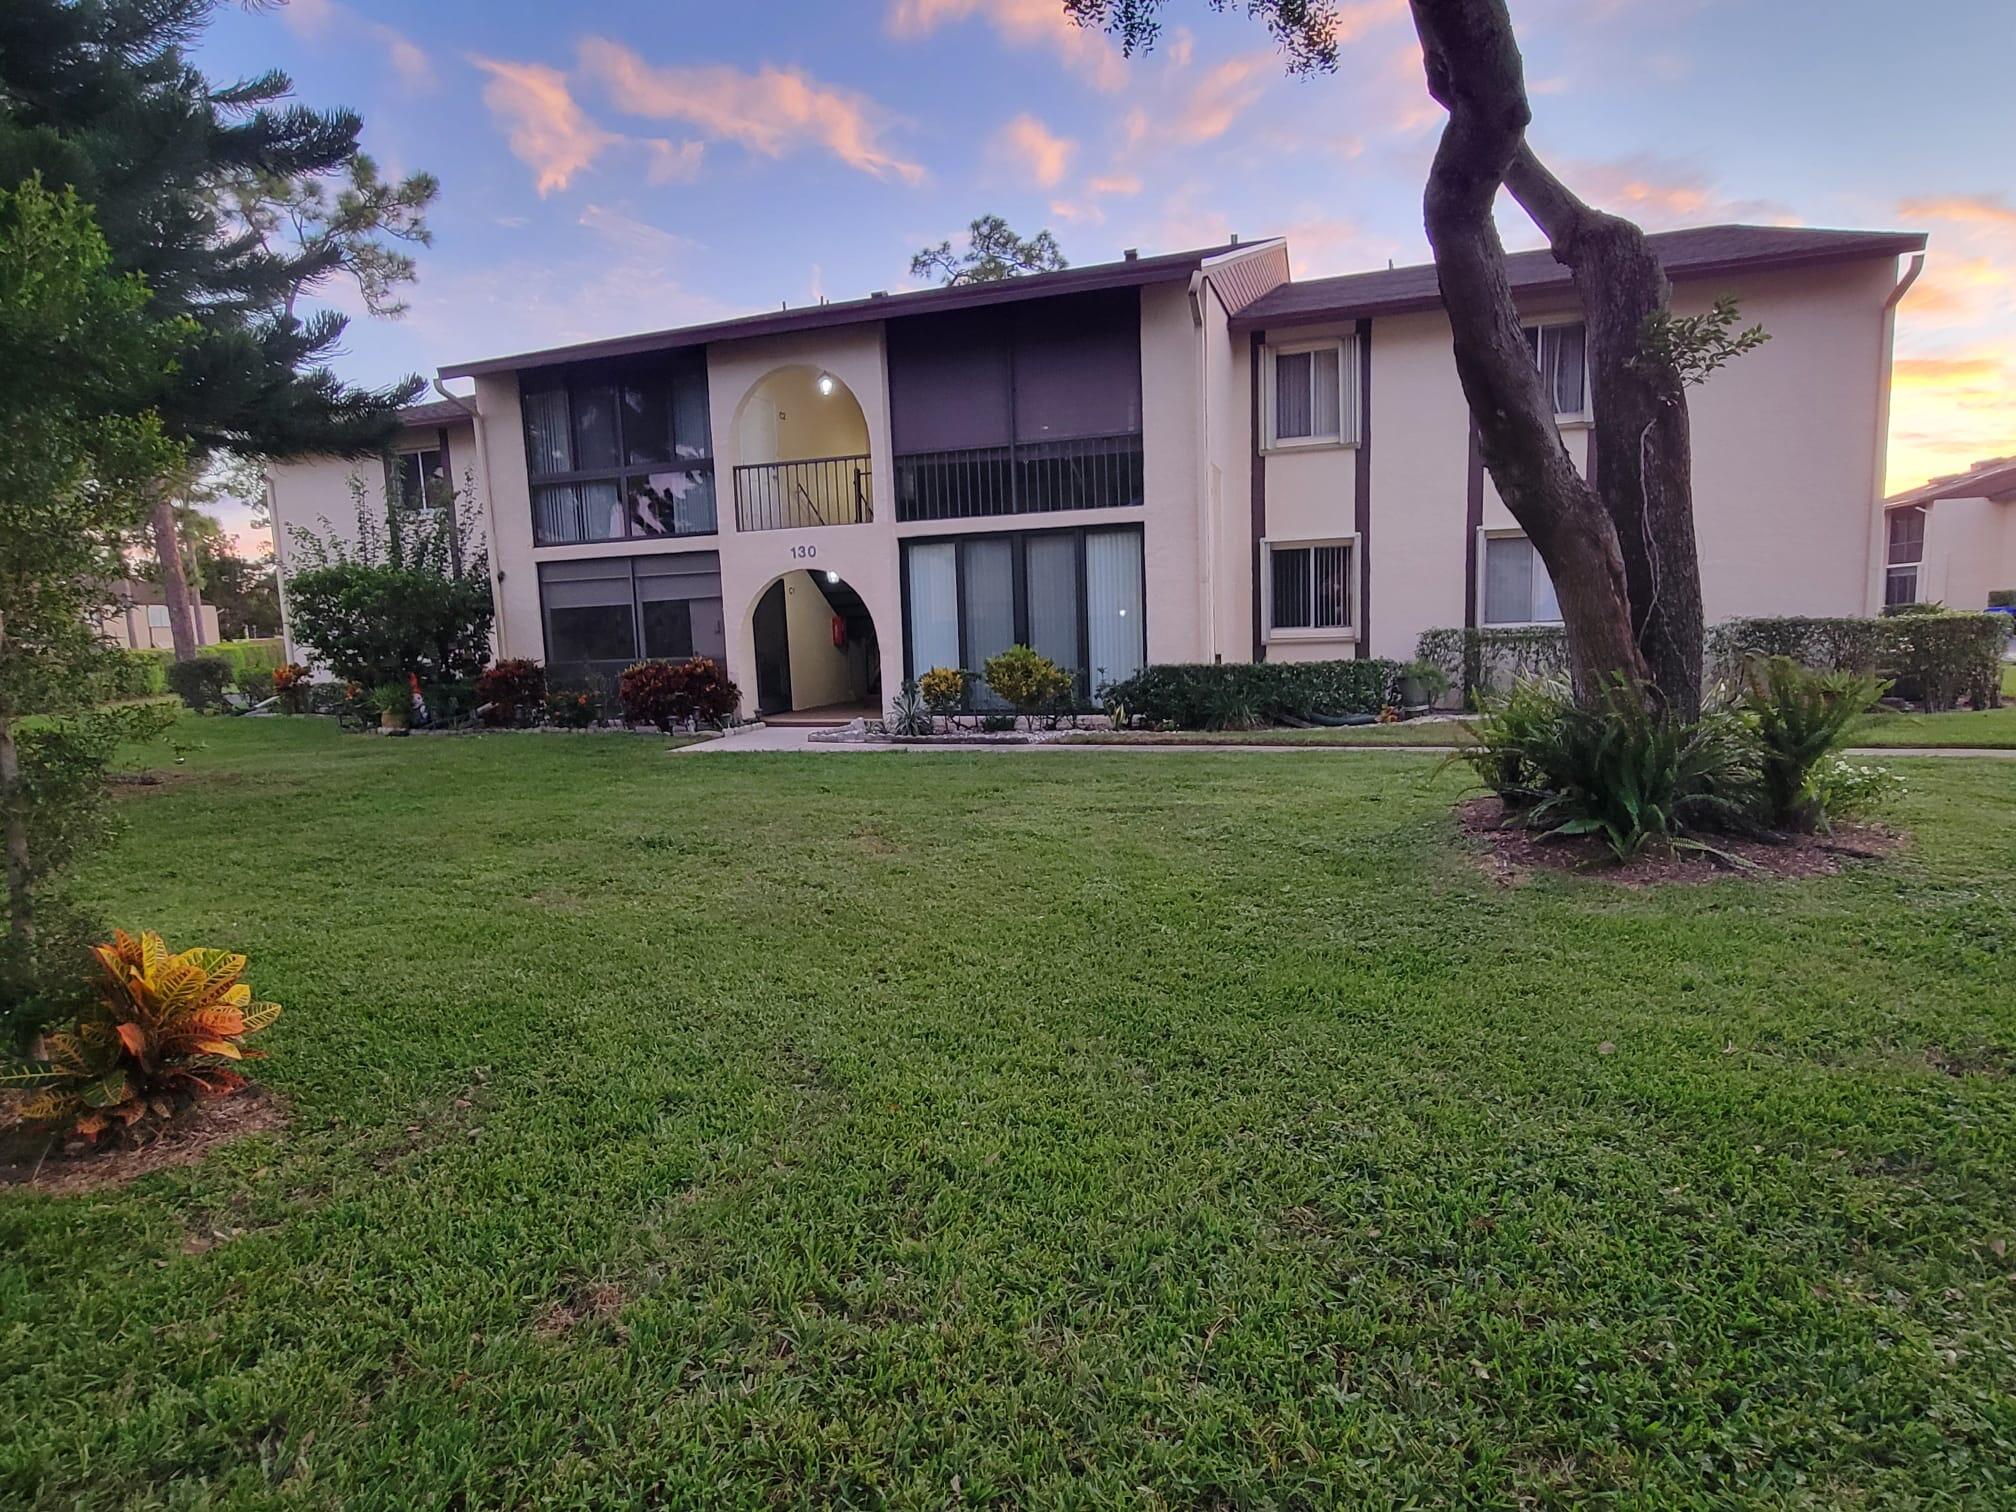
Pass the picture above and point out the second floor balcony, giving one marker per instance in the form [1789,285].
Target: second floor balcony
[804,494]
[1023,477]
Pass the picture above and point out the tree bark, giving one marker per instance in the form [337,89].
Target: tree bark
[14,830]
[1646,477]
[1474,70]
[174,582]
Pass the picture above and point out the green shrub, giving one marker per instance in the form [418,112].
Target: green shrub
[1189,695]
[256,686]
[1636,777]
[1800,718]
[1487,661]
[135,674]
[575,708]
[264,655]
[943,690]
[1843,788]
[200,682]
[1027,679]
[373,624]
[1935,659]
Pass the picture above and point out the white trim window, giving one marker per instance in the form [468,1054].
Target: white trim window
[1310,589]
[1904,554]
[1310,393]
[1516,588]
[1560,350]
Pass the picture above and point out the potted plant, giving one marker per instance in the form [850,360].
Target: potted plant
[395,707]
[1421,684]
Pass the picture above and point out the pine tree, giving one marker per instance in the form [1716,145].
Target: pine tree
[211,192]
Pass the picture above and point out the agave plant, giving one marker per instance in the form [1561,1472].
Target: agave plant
[164,1032]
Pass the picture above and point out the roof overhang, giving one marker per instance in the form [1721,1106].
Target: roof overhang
[1175,267]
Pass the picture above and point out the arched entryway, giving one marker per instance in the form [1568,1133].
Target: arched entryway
[801,441]
[818,657]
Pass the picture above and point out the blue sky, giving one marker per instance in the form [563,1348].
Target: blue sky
[634,164]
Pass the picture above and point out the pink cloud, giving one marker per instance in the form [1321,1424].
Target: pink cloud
[1224,93]
[547,130]
[319,20]
[1987,210]
[771,111]
[1034,151]
[1658,192]
[1114,183]
[1020,23]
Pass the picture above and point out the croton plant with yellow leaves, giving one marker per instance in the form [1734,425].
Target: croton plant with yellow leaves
[165,1031]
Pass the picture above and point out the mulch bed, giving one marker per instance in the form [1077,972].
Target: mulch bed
[34,1162]
[1510,854]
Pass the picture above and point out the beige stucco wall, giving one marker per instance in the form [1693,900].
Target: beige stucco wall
[1786,461]
[1970,551]
[316,494]
[126,625]
[1172,458]
[864,555]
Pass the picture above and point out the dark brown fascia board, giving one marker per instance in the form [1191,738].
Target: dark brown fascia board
[1171,267]
[1887,244]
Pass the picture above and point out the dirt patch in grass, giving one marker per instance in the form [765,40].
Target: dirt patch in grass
[598,1302]
[35,1162]
[1510,854]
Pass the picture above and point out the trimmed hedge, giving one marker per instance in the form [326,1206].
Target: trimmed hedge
[1493,660]
[244,656]
[1193,696]
[1937,660]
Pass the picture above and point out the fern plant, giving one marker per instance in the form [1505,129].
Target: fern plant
[165,1031]
[1801,717]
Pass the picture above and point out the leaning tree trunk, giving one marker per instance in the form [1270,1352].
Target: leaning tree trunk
[1645,476]
[1474,70]
[174,582]
[14,829]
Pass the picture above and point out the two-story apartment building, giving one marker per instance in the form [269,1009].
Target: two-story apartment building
[1179,458]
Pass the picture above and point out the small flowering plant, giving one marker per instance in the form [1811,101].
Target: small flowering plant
[573,708]
[1843,788]
[290,685]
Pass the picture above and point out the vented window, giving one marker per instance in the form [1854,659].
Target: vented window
[1309,587]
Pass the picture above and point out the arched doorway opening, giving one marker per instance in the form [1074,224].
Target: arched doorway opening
[802,444]
[818,657]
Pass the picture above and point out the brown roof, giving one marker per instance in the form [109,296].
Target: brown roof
[1984,480]
[1167,268]
[1699,252]
[434,412]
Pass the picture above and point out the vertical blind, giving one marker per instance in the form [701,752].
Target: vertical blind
[1073,595]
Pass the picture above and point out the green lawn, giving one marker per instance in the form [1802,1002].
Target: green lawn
[1031,1129]
[1981,728]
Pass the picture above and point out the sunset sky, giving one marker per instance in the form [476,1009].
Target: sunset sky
[634,164]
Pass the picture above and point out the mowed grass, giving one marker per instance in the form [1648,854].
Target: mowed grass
[1031,1129]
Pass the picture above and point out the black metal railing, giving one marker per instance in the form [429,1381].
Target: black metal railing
[799,495]
[1029,477]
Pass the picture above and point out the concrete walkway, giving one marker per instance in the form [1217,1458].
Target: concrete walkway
[773,738]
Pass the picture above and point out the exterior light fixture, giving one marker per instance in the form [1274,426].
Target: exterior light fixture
[832,577]
[826,383]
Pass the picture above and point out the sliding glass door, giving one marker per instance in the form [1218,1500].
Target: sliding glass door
[1076,596]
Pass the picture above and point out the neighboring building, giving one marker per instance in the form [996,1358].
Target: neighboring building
[136,617]
[1953,541]
[432,465]
[1167,459]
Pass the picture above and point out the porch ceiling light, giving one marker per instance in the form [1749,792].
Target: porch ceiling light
[832,577]
[826,383]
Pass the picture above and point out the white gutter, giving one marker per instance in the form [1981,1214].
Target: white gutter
[1878,540]
[498,637]
[1207,556]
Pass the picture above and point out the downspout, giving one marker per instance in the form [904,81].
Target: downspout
[1208,556]
[1878,540]
[503,641]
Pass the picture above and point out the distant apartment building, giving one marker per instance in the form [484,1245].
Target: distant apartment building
[135,617]
[1953,541]
[1179,458]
